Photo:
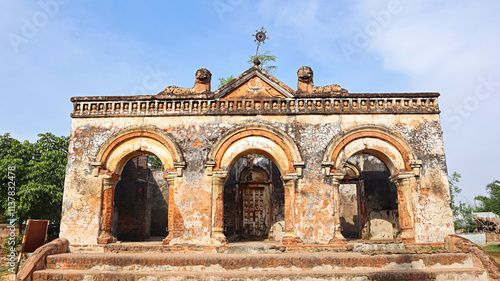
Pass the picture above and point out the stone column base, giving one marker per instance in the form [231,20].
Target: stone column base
[171,235]
[406,240]
[222,240]
[106,240]
[338,241]
[291,240]
[407,237]
[219,236]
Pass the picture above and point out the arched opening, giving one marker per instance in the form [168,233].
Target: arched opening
[368,199]
[260,139]
[254,200]
[374,167]
[110,161]
[141,201]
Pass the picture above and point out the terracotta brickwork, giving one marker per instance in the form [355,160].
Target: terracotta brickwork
[311,135]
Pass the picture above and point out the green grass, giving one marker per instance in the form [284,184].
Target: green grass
[494,251]
[4,270]
[492,248]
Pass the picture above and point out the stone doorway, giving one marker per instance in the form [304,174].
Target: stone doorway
[254,200]
[368,199]
[141,201]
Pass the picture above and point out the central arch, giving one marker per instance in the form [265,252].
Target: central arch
[273,137]
[389,148]
[260,139]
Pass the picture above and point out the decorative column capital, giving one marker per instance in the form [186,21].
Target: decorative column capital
[401,176]
[299,167]
[210,164]
[179,167]
[97,166]
[326,167]
[219,175]
[337,177]
[416,165]
[109,181]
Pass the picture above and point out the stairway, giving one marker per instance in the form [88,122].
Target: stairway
[260,266]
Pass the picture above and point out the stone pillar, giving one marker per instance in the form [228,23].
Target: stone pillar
[405,210]
[175,226]
[289,188]
[218,180]
[107,210]
[337,234]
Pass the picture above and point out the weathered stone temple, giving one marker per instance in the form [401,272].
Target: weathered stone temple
[255,160]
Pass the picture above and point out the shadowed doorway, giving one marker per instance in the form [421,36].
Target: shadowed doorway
[368,199]
[141,201]
[254,200]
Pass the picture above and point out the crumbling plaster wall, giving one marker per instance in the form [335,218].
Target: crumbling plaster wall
[314,192]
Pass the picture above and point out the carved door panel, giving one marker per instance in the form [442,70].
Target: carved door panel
[254,212]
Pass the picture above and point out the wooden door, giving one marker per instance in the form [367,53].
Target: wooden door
[254,213]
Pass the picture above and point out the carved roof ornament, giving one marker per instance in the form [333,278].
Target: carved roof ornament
[305,84]
[203,78]
[260,38]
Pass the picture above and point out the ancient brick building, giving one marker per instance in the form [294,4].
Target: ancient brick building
[256,159]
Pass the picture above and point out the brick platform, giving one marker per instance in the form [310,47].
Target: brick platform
[286,266]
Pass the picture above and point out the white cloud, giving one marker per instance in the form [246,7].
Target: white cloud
[451,48]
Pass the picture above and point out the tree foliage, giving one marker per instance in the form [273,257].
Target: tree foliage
[462,212]
[154,163]
[453,181]
[39,170]
[490,203]
[265,60]
[224,80]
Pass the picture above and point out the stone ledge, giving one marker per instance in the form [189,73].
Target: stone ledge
[458,243]
[36,261]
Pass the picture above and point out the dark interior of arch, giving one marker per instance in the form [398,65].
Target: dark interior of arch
[141,201]
[369,208]
[254,200]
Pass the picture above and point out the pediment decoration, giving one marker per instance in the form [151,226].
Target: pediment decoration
[254,83]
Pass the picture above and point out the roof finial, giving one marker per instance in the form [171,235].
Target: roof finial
[256,61]
[260,38]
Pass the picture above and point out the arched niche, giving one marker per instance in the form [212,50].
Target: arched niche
[247,139]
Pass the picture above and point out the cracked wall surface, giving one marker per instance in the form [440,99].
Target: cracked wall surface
[313,194]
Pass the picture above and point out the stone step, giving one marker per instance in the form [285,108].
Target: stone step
[224,262]
[242,247]
[289,275]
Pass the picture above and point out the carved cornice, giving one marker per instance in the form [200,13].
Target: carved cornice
[404,103]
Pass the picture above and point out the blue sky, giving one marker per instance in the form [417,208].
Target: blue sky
[51,50]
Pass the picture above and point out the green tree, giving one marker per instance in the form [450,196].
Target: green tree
[453,180]
[39,170]
[462,212]
[265,60]
[490,203]
[224,80]
[154,162]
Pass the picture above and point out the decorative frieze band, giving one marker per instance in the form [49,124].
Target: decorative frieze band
[421,104]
